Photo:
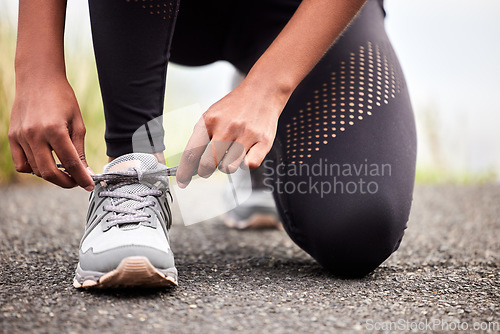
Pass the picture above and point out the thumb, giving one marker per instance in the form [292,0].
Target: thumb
[78,140]
[77,134]
[79,143]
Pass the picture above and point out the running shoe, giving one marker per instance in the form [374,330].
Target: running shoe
[258,211]
[126,241]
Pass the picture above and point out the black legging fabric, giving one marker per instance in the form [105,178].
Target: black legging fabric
[343,163]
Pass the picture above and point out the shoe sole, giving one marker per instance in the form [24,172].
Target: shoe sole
[134,271]
[255,221]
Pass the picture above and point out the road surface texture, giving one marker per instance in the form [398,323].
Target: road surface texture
[445,275]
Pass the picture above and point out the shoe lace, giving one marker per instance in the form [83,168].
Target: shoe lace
[132,213]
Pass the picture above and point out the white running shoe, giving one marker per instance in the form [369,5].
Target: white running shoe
[126,240]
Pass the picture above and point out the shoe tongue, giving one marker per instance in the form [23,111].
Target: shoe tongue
[141,161]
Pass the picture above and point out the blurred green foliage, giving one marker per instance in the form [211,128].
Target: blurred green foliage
[82,75]
[7,87]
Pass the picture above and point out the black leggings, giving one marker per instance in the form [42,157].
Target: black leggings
[343,164]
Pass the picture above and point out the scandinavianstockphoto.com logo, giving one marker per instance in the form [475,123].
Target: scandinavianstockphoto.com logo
[430,325]
[324,178]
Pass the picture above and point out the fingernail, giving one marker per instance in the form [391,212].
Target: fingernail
[89,188]
[90,171]
[181,185]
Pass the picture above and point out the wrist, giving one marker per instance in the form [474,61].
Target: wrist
[266,86]
[272,79]
[42,63]
[33,73]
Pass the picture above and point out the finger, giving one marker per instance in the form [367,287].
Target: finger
[19,157]
[233,158]
[48,168]
[78,138]
[67,154]
[213,155]
[192,153]
[30,157]
[256,155]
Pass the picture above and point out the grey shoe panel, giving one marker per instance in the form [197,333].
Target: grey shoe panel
[110,259]
[244,212]
[259,202]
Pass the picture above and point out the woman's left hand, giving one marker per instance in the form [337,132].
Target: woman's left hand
[240,127]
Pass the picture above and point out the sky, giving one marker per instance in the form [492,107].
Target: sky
[449,51]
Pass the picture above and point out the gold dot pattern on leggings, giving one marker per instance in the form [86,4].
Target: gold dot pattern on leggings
[162,8]
[364,82]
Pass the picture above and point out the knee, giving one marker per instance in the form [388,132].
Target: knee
[354,244]
[353,256]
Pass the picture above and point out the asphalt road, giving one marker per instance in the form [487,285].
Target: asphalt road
[446,273]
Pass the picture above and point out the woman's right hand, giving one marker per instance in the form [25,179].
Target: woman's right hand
[46,117]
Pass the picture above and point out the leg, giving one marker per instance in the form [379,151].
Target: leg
[126,241]
[352,116]
[131,44]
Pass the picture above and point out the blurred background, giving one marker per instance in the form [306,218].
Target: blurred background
[449,50]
